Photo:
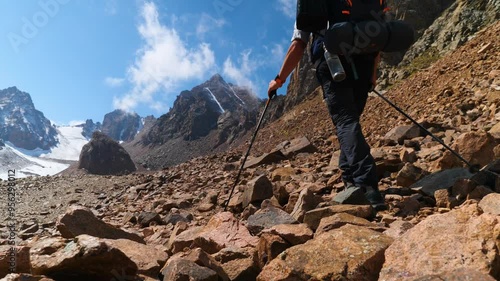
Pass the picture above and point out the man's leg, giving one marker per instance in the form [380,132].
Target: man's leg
[355,160]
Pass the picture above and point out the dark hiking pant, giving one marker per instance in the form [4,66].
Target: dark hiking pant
[346,101]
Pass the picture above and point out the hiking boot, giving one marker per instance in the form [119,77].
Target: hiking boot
[375,199]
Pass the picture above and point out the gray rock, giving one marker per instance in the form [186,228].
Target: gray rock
[267,218]
[179,270]
[440,180]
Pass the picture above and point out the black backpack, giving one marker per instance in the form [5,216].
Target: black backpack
[355,27]
[314,15]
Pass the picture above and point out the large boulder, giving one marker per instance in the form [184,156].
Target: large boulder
[462,238]
[81,259]
[80,220]
[348,253]
[104,156]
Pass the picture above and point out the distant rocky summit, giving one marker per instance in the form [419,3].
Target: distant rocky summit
[121,125]
[21,124]
[104,156]
[90,127]
[210,116]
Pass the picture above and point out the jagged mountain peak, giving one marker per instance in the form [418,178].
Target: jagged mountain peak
[121,125]
[21,124]
[13,95]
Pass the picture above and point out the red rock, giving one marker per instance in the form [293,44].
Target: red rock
[292,233]
[348,253]
[223,230]
[269,247]
[491,204]
[80,220]
[461,238]
[313,217]
[338,220]
[83,258]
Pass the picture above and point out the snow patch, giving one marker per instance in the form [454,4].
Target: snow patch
[71,142]
[25,165]
[234,93]
[215,99]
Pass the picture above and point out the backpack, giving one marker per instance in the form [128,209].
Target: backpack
[354,27]
[314,15]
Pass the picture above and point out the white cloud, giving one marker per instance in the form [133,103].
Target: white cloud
[111,7]
[163,62]
[241,75]
[114,82]
[207,24]
[76,122]
[288,7]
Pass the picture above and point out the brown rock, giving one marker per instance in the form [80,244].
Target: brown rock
[479,192]
[80,220]
[408,155]
[269,247]
[409,175]
[296,146]
[338,220]
[180,269]
[223,230]
[84,258]
[230,254]
[444,200]
[476,147]
[401,133]
[348,253]
[269,158]
[241,269]
[306,202]
[313,217]
[14,259]
[398,228]
[294,234]
[460,274]
[491,204]
[200,258]
[147,258]
[282,174]
[444,242]
[257,190]
[462,188]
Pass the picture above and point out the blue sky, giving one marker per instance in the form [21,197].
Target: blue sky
[81,59]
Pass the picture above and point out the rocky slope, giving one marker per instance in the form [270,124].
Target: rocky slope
[23,125]
[455,26]
[439,226]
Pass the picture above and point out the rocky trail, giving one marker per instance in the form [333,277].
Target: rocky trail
[443,222]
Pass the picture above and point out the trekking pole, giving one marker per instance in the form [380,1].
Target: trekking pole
[248,151]
[473,168]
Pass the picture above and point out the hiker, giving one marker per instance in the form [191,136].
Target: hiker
[345,101]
